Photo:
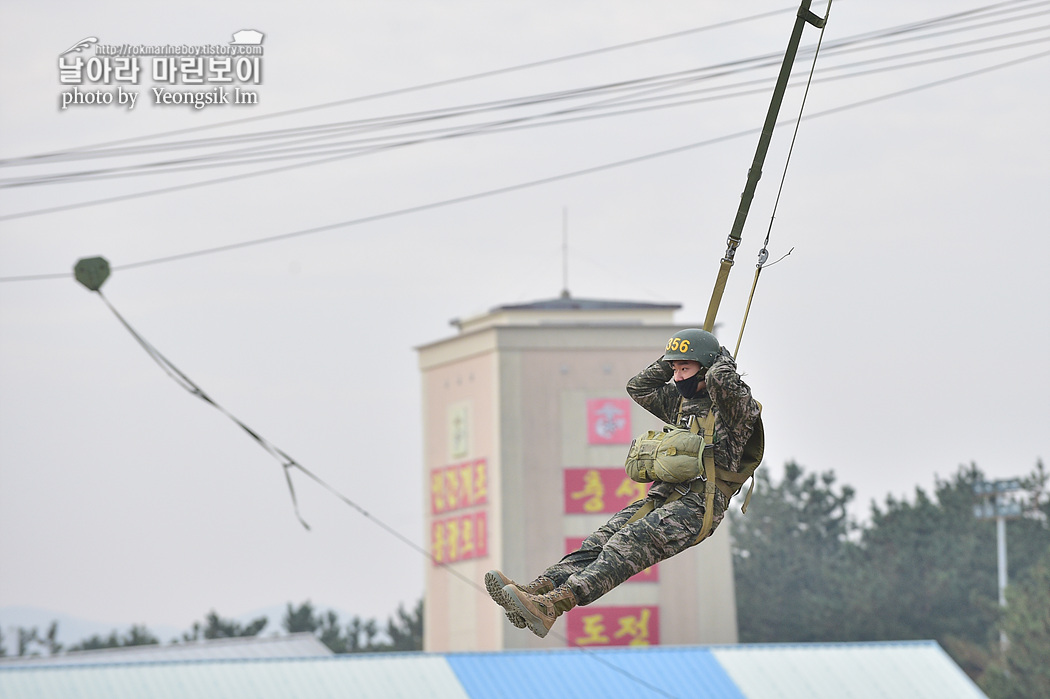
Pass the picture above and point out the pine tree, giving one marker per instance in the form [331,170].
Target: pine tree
[1024,671]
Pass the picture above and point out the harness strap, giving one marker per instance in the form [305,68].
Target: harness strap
[710,475]
[706,485]
[715,478]
[647,507]
[726,477]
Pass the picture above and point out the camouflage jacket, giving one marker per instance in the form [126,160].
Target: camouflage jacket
[735,411]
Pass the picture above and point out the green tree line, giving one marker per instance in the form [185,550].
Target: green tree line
[921,568]
[402,632]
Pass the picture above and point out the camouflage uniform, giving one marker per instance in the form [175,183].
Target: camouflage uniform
[615,552]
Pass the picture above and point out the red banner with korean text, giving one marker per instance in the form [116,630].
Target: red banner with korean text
[609,421]
[650,574]
[459,538]
[459,486]
[613,626]
[600,490]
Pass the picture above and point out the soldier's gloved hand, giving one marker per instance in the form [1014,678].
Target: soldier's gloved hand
[724,355]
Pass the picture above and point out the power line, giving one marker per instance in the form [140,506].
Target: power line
[638,87]
[957,17]
[374,144]
[440,83]
[537,182]
[492,127]
[358,125]
[316,132]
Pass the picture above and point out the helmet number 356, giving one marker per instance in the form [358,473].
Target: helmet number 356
[677,344]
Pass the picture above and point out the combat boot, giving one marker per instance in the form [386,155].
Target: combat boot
[540,611]
[495,581]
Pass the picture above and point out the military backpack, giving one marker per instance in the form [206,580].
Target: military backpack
[680,455]
[671,455]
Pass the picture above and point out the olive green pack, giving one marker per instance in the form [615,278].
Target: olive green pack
[671,455]
[674,453]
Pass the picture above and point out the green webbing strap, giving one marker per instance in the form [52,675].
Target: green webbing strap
[730,482]
[715,479]
[747,311]
[645,509]
[725,477]
[707,485]
[710,476]
[716,293]
[694,427]
[803,16]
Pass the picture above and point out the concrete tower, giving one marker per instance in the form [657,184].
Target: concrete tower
[526,426]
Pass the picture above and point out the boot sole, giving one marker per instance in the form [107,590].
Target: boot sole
[494,586]
[534,622]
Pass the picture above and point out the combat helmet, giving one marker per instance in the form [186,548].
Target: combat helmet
[692,345]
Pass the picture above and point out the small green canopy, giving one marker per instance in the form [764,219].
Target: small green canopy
[92,272]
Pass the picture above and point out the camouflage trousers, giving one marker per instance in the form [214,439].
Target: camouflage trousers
[618,550]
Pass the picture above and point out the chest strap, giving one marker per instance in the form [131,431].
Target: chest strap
[714,477]
[706,484]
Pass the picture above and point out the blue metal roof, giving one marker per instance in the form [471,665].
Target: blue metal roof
[640,673]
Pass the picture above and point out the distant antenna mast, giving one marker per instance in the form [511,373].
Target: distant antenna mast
[565,252]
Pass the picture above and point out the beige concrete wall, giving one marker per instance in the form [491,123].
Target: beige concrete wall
[457,617]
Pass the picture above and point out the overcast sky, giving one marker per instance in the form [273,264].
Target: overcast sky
[904,336]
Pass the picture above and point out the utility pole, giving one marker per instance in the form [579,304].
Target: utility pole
[998,502]
[565,252]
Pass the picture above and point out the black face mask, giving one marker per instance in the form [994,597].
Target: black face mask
[688,388]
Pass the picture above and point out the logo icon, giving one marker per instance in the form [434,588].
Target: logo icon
[85,43]
[247,37]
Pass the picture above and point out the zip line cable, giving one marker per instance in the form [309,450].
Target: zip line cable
[373,144]
[537,182]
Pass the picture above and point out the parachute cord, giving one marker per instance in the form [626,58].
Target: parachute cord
[288,463]
[763,254]
[758,270]
[794,135]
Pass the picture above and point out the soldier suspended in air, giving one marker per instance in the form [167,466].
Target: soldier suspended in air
[712,444]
